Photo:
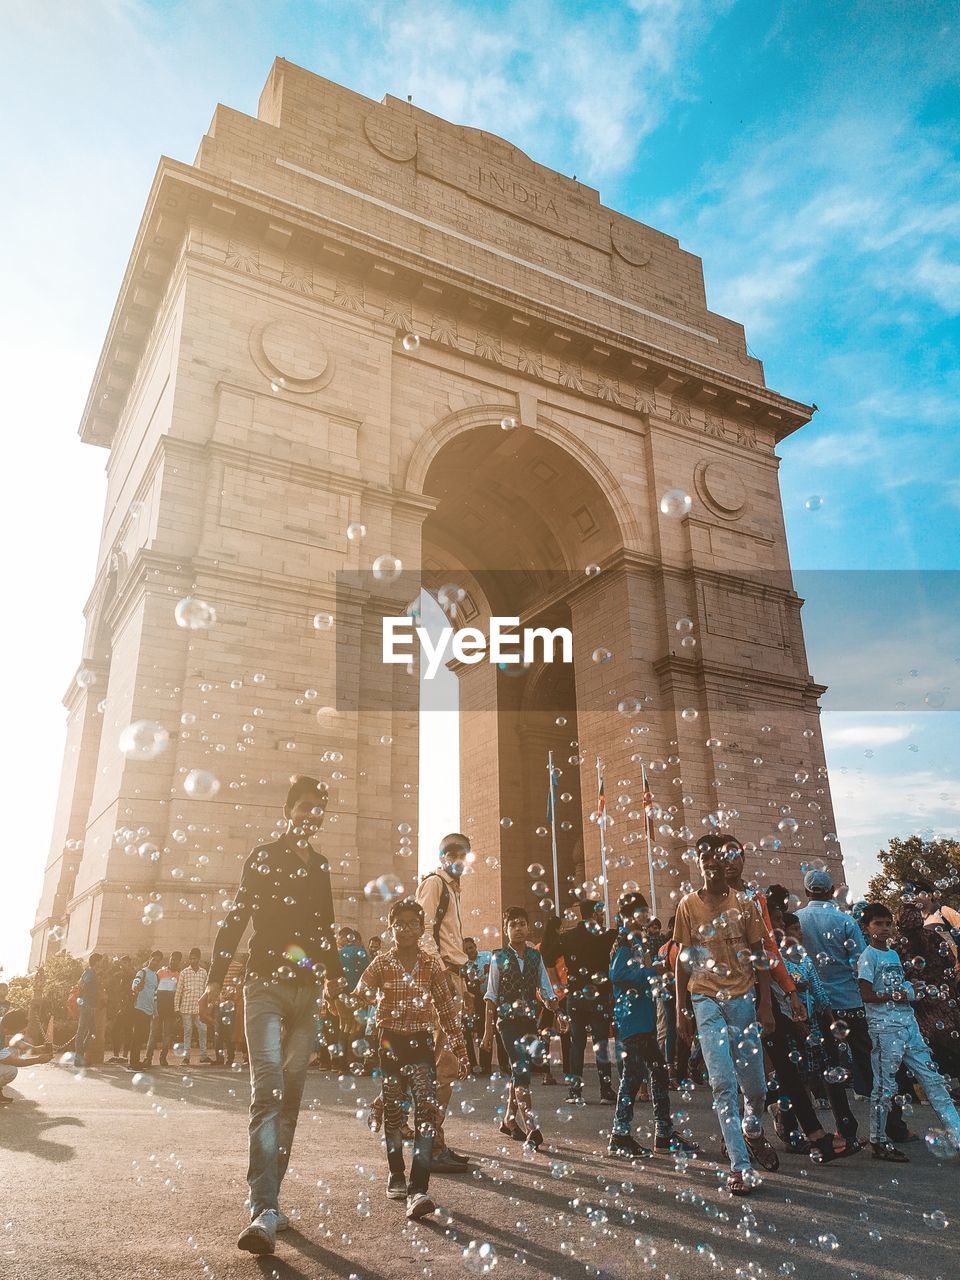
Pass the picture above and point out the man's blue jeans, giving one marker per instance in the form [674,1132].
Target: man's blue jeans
[86,1033]
[733,1056]
[279,1025]
[641,1054]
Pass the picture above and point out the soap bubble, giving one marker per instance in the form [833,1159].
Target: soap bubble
[939,1144]
[152,913]
[509,423]
[201,785]
[86,678]
[387,568]
[814,502]
[684,626]
[142,1082]
[592,570]
[688,642]
[277,384]
[386,888]
[194,614]
[506,822]
[689,713]
[937,1219]
[411,342]
[675,503]
[322,621]
[789,825]
[628,706]
[450,596]
[356,531]
[57,933]
[536,870]
[601,655]
[480,1258]
[827,1242]
[144,740]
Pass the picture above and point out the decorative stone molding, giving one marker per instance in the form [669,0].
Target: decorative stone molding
[292,349]
[720,488]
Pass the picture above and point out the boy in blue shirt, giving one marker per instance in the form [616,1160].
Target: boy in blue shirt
[887,996]
[632,974]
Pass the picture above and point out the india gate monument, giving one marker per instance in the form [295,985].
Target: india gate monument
[361,352]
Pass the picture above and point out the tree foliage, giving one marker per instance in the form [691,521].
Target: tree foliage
[936,861]
[52,982]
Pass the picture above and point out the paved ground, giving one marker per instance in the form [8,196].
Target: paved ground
[97,1179]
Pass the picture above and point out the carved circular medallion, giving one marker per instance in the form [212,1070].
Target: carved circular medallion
[628,243]
[721,488]
[292,351]
[391,133]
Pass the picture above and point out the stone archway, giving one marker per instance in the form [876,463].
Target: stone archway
[519,517]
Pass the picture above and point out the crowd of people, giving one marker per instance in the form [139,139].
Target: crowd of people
[780,1009]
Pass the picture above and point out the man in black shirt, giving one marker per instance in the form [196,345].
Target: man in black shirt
[285,891]
[586,951]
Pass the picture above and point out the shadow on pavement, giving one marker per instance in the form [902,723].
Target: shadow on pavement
[320,1261]
[23,1126]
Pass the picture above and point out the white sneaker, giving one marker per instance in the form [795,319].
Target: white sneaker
[419,1205]
[261,1235]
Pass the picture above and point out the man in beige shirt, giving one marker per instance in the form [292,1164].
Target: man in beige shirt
[439,895]
[723,965]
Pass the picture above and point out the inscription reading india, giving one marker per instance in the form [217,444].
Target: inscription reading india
[493,184]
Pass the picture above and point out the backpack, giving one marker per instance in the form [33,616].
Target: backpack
[442,906]
[73,1007]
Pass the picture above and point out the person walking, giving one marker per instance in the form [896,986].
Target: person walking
[517,987]
[163,1033]
[88,997]
[632,975]
[586,954]
[285,891]
[887,997]
[144,988]
[191,984]
[835,941]
[724,965]
[414,994]
[438,893]
[120,1010]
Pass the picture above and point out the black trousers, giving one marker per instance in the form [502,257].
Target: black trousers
[787,1085]
[139,1036]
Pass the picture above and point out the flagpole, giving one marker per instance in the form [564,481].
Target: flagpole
[553,832]
[646,827]
[602,824]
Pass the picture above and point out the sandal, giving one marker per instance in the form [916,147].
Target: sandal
[887,1151]
[850,1147]
[514,1131]
[824,1152]
[739,1185]
[762,1152]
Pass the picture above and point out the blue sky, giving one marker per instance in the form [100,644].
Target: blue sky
[807,152]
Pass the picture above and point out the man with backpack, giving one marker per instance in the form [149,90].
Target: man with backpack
[439,895]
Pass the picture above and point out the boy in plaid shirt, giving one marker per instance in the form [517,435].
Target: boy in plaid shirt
[413,994]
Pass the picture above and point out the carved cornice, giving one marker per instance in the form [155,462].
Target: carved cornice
[596,362]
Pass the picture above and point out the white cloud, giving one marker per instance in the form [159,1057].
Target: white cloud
[868,735]
[588,90]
